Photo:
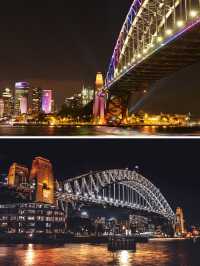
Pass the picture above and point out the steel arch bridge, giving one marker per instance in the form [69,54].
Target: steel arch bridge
[158,38]
[119,188]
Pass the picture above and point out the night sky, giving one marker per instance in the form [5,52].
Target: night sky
[172,165]
[59,44]
[62,44]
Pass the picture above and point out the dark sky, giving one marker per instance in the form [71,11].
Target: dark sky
[62,44]
[58,43]
[172,165]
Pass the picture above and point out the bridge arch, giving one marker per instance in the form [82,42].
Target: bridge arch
[118,187]
[150,26]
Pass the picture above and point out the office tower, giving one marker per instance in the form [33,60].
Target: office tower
[87,95]
[7,97]
[1,107]
[47,101]
[36,100]
[21,97]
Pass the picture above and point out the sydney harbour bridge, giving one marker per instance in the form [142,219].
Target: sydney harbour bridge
[119,188]
[158,38]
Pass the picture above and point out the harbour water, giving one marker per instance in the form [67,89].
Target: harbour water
[172,253]
[137,131]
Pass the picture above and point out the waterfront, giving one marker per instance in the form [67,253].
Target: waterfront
[173,253]
[132,131]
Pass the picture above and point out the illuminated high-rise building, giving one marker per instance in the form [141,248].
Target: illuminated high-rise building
[100,99]
[24,105]
[7,97]
[21,93]
[53,102]
[36,100]
[180,223]
[42,178]
[18,175]
[47,101]
[1,107]
[74,102]
[87,95]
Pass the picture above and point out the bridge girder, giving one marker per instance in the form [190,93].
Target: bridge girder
[120,188]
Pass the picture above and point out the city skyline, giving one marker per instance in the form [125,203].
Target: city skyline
[59,62]
[167,173]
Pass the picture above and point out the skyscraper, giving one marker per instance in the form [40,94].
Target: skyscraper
[1,107]
[7,97]
[87,95]
[24,105]
[47,101]
[21,97]
[36,100]
[42,178]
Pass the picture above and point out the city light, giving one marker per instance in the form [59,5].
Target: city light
[124,257]
[159,39]
[168,31]
[145,51]
[180,23]
[193,13]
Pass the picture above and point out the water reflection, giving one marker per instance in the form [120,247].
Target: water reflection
[29,255]
[137,131]
[124,258]
[152,254]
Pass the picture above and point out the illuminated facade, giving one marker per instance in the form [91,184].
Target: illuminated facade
[24,105]
[74,102]
[87,95]
[21,97]
[18,175]
[47,101]
[42,179]
[99,99]
[36,100]
[1,107]
[8,101]
[31,220]
[180,223]
[27,209]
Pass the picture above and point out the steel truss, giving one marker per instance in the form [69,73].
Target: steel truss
[120,188]
[149,25]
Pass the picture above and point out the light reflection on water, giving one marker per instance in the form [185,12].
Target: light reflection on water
[152,254]
[137,131]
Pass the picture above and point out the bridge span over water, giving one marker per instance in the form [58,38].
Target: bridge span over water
[119,188]
[158,38]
